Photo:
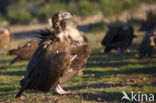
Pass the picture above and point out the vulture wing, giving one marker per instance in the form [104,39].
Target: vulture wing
[25,51]
[44,71]
[81,53]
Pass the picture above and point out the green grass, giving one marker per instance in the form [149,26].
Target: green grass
[32,9]
[104,79]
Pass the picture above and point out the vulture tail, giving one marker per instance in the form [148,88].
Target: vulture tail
[22,89]
[19,93]
[14,60]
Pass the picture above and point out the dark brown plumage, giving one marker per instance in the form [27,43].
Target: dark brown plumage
[78,64]
[73,32]
[24,51]
[5,37]
[148,45]
[55,57]
[119,38]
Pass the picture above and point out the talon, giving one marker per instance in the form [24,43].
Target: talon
[59,90]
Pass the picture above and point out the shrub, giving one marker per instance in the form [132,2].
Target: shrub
[19,16]
[87,8]
[112,7]
[83,8]
[72,7]
[43,13]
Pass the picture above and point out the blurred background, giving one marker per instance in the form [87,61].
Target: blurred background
[39,11]
[95,15]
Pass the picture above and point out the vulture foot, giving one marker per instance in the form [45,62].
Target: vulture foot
[59,90]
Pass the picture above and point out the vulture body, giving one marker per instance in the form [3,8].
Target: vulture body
[5,37]
[24,51]
[76,34]
[57,59]
[148,45]
[119,38]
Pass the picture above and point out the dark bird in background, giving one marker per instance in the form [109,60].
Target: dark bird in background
[24,51]
[5,37]
[119,38]
[57,59]
[148,44]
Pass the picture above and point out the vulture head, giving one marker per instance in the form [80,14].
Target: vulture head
[59,22]
[60,19]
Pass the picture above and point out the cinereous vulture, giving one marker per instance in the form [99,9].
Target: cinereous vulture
[57,59]
[119,38]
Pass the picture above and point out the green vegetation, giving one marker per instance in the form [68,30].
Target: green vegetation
[44,13]
[44,9]
[19,16]
[85,8]
[105,77]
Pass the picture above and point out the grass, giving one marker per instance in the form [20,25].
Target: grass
[104,79]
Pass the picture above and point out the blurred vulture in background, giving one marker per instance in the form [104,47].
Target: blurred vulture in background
[5,38]
[148,44]
[57,59]
[24,51]
[119,38]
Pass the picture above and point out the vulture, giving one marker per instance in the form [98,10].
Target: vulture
[24,51]
[5,37]
[57,59]
[148,44]
[119,38]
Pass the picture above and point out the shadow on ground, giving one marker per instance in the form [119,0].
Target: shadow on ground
[25,35]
